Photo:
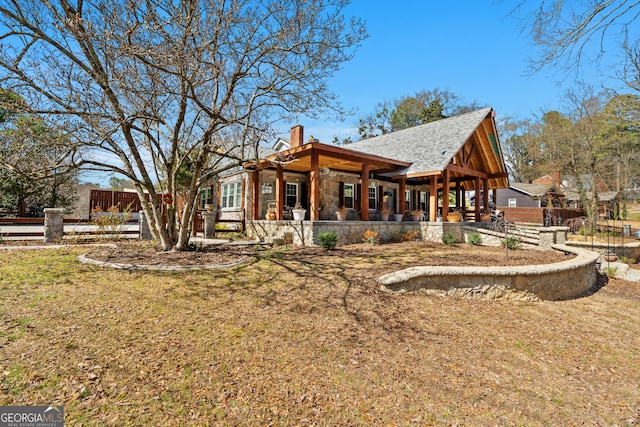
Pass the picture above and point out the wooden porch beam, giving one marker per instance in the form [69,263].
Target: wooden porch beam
[467,171]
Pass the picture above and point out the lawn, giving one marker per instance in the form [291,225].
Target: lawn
[289,339]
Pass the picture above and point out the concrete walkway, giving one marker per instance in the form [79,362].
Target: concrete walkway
[622,271]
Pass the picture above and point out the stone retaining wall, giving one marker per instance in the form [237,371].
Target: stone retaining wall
[306,232]
[558,281]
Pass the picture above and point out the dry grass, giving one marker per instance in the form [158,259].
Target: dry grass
[295,339]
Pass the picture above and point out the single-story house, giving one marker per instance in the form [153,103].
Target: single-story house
[528,195]
[399,172]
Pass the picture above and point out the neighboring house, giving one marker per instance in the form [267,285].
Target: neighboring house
[558,191]
[399,172]
[525,195]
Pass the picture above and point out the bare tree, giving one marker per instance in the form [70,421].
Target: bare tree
[156,88]
[572,34]
[521,148]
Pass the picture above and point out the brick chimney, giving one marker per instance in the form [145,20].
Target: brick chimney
[556,179]
[297,136]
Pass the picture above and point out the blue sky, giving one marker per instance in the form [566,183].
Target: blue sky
[471,48]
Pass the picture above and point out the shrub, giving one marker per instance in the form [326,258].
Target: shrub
[411,236]
[111,224]
[610,271]
[474,239]
[512,243]
[328,239]
[449,238]
[626,260]
[371,237]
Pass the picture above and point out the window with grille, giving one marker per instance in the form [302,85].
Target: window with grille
[231,195]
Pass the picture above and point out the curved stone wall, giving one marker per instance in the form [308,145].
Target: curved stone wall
[557,281]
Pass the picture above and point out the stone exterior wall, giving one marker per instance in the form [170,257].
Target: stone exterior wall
[306,232]
[329,193]
[558,281]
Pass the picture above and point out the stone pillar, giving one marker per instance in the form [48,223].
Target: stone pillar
[145,231]
[209,224]
[561,235]
[546,238]
[53,224]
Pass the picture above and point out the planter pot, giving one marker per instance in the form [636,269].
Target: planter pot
[610,257]
[398,217]
[454,217]
[416,217]
[208,207]
[384,216]
[341,216]
[298,214]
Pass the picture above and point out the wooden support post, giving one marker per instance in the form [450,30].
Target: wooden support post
[256,194]
[401,196]
[365,193]
[477,199]
[279,192]
[445,194]
[485,195]
[314,187]
[433,197]
[458,195]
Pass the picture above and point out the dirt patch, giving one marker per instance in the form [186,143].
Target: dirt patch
[411,254]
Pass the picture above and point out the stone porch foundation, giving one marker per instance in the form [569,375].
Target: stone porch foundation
[305,233]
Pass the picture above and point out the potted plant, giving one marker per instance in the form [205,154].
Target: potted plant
[384,214]
[416,214]
[341,213]
[299,212]
[398,217]
[454,216]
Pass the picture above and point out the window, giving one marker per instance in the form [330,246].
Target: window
[373,197]
[349,192]
[407,200]
[205,198]
[267,188]
[231,195]
[292,195]
[512,202]
[423,201]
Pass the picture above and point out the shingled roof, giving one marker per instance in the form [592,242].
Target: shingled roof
[429,147]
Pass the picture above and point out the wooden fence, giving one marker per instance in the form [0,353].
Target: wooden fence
[123,200]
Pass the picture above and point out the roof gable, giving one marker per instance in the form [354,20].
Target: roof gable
[429,147]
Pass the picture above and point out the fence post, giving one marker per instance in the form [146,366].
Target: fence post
[145,231]
[209,224]
[53,224]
